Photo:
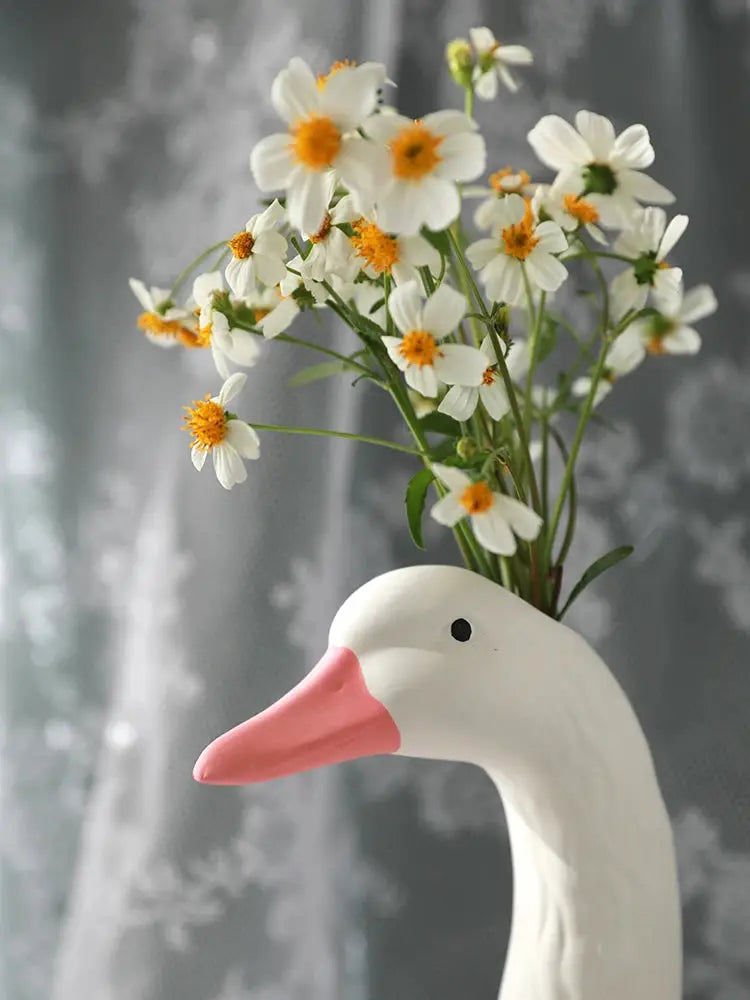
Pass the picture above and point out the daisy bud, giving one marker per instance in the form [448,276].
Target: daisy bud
[466,448]
[460,59]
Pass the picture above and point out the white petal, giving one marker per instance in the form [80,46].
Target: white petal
[418,251]
[405,306]
[228,466]
[479,254]
[437,203]
[493,532]
[198,457]
[632,149]
[644,188]
[511,210]
[448,122]
[494,399]
[598,133]
[698,303]
[523,520]
[266,221]
[363,166]
[518,359]
[443,311]
[557,144]
[231,388]
[459,402]
[393,346]
[672,234]
[551,237]
[306,200]
[581,386]
[271,162]
[507,77]
[243,348]
[545,271]
[349,96]
[627,352]
[400,209]
[423,379]
[448,510]
[140,291]
[218,359]
[205,285]
[383,128]
[294,92]
[270,270]
[514,55]
[462,157]
[243,438]
[503,280]
[485,84]
[666,282]
[482,39]
[684,340]
[626,293]
[240,275]
[460,364]
[455,479]
[278,319]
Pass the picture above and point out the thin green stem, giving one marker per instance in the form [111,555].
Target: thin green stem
[180,279]
[317,432]
[469,102]
[533,346]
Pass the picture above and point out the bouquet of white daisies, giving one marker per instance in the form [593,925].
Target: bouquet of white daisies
[366,220]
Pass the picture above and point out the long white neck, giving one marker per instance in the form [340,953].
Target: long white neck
[596,910]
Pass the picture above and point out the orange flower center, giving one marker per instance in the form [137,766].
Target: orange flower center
[496,181]
[325,229]
[207,422]
[490,376]
[339,64]
[156,325]
[378,248]
[476,498]
[655,345]
[414,152]
[519,240]
[316,142]
[241,245]
[580,209]
[419,348]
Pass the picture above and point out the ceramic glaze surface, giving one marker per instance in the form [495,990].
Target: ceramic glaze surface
[596,905]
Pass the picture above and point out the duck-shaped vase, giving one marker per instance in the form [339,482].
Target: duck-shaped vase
[439,662]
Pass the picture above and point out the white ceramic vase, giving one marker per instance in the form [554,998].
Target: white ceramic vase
[435,661]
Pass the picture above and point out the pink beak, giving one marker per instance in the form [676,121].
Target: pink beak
[330,716]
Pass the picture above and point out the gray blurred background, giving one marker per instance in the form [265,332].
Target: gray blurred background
[144,610]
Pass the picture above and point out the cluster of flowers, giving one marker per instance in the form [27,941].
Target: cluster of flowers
[371,203]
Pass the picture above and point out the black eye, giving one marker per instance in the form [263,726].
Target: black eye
[461,630]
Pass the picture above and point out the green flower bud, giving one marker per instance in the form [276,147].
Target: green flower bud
[460,58]
[466,448]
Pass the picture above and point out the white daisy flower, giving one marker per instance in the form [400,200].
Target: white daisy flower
[214,329]
[162,322]
[501,183]
[228,439]
[330,251]
[493,60]
[648,241]
[571,211]
[323,117]
[669,331]
[273,309]
[594,161]
[258,252]
[461,401]
[419,354]
[377,252]
[416,178]
[625,354]
[519,243]
[495,518]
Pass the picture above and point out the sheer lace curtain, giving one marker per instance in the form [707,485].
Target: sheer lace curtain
[145,610]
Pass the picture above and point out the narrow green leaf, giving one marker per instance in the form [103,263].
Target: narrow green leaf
[596,569]
[316,372]
[416,493]
[440,423]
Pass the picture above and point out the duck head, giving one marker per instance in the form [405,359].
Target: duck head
[428,661]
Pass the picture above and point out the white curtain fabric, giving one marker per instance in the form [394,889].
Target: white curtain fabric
[145,610]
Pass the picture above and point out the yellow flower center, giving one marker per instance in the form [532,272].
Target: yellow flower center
[325,229]
[203,335]
[316,142]
[156,325]
[339,64]
[580,209]
[496,181]
[519,240]
[414,152]
[207,422]
[655,345]
[378,248]
[490,376]
[241,245]
[476,498]
[419,348]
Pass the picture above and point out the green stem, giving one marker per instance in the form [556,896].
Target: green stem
[533,346]
[466,280]
[469,102]
[339,434]
[180,279]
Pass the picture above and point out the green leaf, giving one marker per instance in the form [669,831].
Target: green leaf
[316,372]
[596,569]
[440,423]
[416,493]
